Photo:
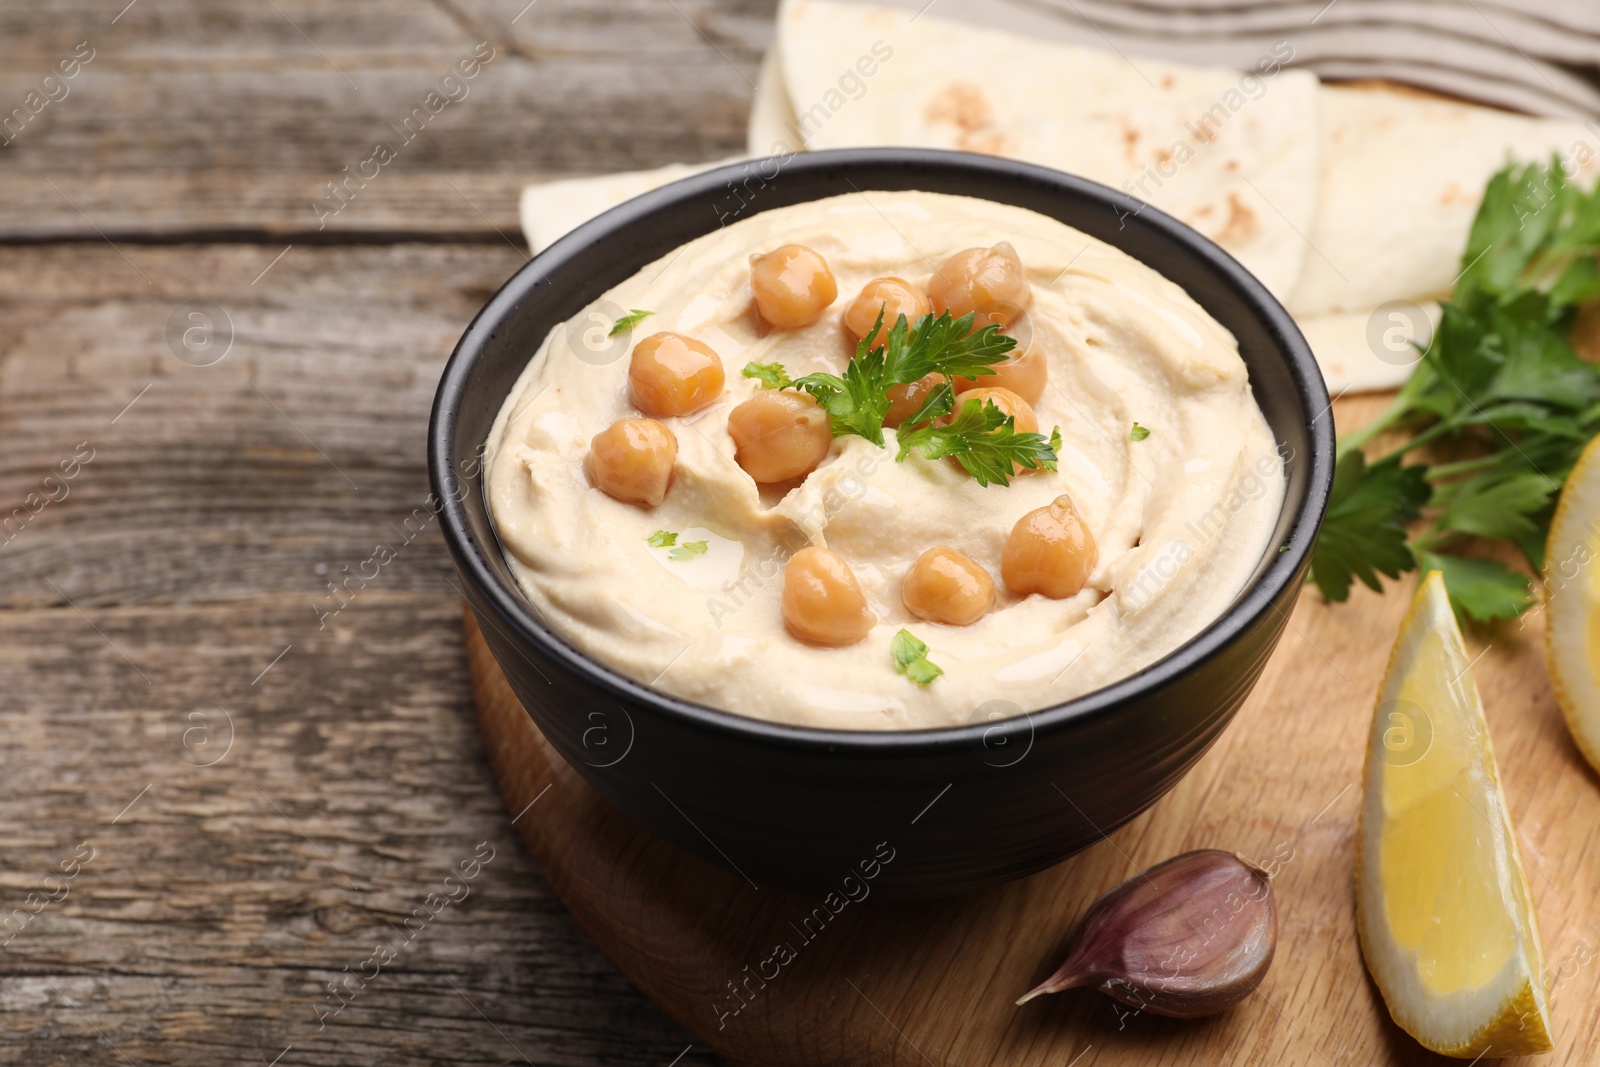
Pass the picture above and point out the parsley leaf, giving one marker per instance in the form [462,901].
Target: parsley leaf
[941,401]
[985,441]
[911,658]
[1500,401]
[942,345]
[680,552]
[1364,533]
[629,321]
[857,402]
[688,550]
[772,375]
[1139,433]
[1499,509]
[1480,588]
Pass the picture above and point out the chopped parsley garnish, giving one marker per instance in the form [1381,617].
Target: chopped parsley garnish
[1139,433]
[680,553]
[982,438]
[688,550]
[911,658]
[1499,395]
[629,321]
[772,375]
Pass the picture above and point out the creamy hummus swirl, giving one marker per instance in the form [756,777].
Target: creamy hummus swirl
[1182,517]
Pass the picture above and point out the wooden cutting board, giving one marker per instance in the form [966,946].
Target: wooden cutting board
[933,984]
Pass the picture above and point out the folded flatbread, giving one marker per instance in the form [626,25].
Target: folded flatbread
[1351,203]
[1220,189]
[554,209]
[1369,351]
[1402,177]
[772,121]
[1232,154]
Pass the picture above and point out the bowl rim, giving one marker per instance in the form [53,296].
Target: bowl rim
[1254,601]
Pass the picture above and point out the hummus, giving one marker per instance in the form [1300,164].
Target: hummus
[1164,454]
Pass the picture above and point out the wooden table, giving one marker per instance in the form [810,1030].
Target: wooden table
[177,582]
[224,788]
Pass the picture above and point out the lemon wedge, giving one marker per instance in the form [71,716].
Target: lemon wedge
[1572,601]
[1442,902]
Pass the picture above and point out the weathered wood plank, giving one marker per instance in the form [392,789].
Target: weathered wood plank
[212,116]
[257,206]
[204,923]
[225,481]
[181,561]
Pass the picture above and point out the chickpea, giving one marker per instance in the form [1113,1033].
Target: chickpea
[822,601]
[1050,551]
[892,296]
[988,281]
[631,461]
[671,374]
[906,400]
[946,586]
[780,435]
[793,286]
[1024,374]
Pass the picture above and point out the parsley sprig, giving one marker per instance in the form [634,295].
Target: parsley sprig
[1500,402]
[982,438]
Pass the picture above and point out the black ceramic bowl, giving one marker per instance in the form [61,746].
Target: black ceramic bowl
[926,812]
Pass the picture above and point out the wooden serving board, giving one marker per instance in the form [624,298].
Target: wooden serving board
[933,984]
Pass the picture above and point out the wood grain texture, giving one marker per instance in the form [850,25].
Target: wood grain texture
[196,545]
[934,983]
[143,614]
[170,599]
[211,116]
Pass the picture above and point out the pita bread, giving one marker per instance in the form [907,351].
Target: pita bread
[554,209]
[1233,155]
[941,83]
[772,120]
[1220,188]
[1342,200]
[1369,351]
[1402,176]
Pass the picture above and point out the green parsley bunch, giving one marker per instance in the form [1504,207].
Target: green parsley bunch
[1500,401]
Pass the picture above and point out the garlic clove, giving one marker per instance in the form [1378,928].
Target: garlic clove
[1189,937]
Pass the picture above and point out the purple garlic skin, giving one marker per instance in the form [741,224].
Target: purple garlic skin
[1189,937]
